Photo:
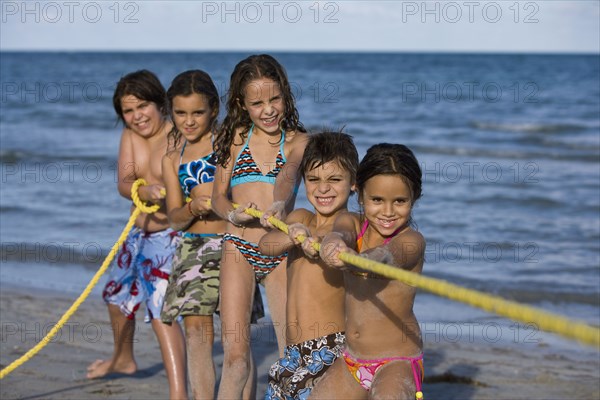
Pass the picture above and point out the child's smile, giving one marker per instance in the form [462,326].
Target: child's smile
[387,202]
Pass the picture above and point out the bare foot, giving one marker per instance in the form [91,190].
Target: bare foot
[101,368]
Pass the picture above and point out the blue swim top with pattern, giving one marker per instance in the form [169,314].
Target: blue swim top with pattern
[245,169]
[196,172]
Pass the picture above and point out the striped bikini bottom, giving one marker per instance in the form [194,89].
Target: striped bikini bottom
[261,263]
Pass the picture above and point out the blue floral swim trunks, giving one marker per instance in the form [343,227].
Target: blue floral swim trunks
[295,374]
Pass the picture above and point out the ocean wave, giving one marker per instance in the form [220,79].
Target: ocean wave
[14,156]
[479,153]
[9,209]
[537,296]
[523,200]
[528,127]
[527,291]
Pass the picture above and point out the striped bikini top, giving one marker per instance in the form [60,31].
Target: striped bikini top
[196,172]
[245,169]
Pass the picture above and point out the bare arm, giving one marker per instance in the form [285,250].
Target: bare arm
[341,239]
[221,204]
[405,251]
[290,174]
[220,200]
[127,172]
[276,242]
[177,210]
[126,169]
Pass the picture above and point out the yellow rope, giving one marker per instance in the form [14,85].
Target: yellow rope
[141,207]
[544,320]
[530,315]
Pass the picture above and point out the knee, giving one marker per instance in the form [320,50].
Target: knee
[202,332]
[236,356]
[236,362]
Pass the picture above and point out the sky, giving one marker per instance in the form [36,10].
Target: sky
[546,26]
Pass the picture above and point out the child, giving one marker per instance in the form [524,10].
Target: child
[383,355]
[189,170]
[315,297]
[259,150]
[142,266]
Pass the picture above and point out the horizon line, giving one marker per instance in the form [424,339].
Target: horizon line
[316,51]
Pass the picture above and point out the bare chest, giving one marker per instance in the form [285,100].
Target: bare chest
[147,158]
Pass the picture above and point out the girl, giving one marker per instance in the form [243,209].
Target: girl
[259,150]
[383,355]
[188,171]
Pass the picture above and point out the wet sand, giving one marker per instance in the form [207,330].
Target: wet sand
[453,370]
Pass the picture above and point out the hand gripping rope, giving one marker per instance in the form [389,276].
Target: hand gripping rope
[530,315]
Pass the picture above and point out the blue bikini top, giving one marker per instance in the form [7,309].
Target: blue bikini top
[196,172]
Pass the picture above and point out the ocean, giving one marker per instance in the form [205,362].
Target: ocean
[509,146]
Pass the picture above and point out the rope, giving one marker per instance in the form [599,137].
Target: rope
[140,207]
[544,320]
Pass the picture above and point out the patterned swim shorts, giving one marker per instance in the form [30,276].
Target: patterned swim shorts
[140,272]
[302,366]
[194,283]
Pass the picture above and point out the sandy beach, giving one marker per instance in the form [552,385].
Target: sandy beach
[453,370]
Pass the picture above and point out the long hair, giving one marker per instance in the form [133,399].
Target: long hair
[142,84]
[250,69]
[186,84]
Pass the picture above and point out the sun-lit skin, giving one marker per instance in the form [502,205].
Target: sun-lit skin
[327,187]
[141,116]
[380,321]
[387,203]
[264,102]
[258,104]
[192,116]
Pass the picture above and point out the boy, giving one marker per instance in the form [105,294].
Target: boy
[315,299]
[142,266]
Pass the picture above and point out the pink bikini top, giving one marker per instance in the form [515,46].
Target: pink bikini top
[359,239]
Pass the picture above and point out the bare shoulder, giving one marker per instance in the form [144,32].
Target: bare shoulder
[126,134]
[239,137]
[296,138]
[411,236]
[300,215]
[348,217]
[171,157]
[408,249]
[239,140]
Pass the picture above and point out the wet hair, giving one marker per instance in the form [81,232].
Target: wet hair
[390,159]
[329,146]
[250,69]
[186,84]
[142,84]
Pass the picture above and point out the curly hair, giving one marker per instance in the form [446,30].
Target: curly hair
[250,69]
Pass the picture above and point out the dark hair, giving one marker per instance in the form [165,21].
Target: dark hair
[329,146]
[142,84]
[186,84]
[390,159]
[247,70]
